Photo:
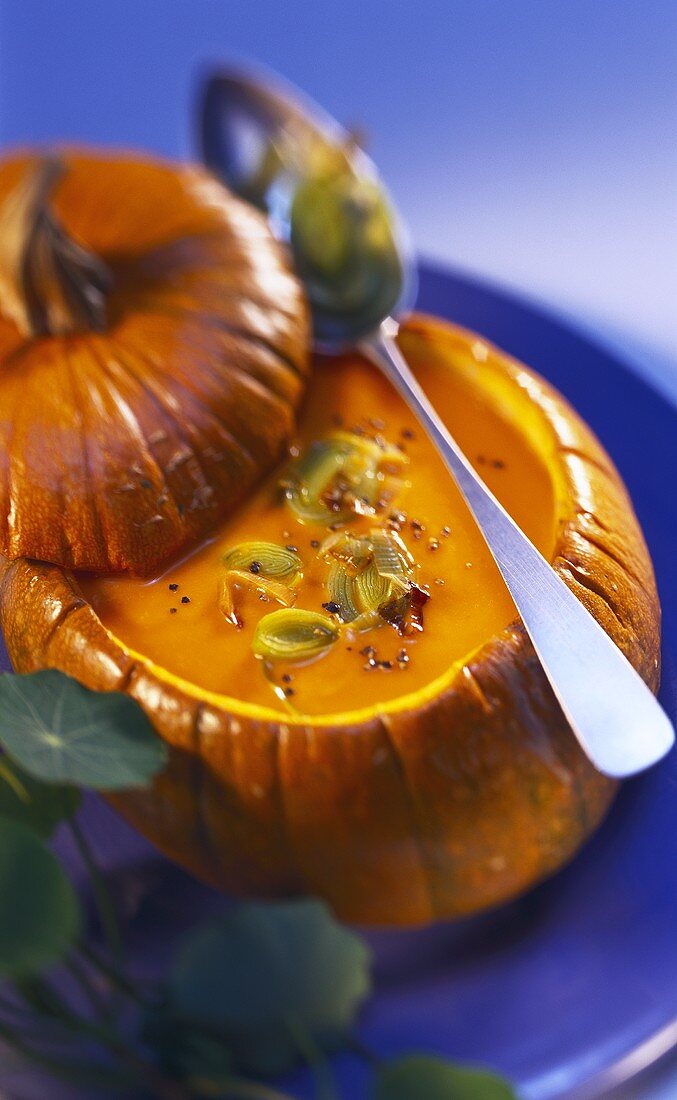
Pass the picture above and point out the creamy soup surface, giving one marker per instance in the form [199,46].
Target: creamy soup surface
[177,619]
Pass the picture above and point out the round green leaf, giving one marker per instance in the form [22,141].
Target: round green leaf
[419,1077]
[39,912]
[61,732]
[265,974]
[40,806]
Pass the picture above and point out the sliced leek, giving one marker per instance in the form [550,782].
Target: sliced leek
[293,635]
[270,569]
[372,589]
[342,591]
[353,550]
[366,573]
[340,476]
[392,560]
[266,559]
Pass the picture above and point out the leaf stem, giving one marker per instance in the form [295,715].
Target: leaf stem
[160,1086]
[363,1051]
[314,1057]
[236,1088]
[12,780]
[79,1073]
[80,975]
[108,918]
[17,1013]
[116,979]
[48,1003]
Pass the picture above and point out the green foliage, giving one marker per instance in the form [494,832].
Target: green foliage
[60,732]
[39,912]
[266,975]
[40,806]
[419,1077]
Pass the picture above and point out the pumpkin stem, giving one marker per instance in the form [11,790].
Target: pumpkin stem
[49,284]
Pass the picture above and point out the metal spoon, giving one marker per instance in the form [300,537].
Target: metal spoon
[323,196]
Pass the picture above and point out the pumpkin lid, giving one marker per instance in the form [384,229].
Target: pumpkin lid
[153,352]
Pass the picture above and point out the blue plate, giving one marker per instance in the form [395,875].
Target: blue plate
[566,990]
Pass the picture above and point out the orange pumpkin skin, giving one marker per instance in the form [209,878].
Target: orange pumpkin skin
[119,448]
[435,811]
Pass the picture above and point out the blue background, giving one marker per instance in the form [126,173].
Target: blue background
[529,140]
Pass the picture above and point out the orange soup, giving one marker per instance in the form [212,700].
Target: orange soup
[199,619]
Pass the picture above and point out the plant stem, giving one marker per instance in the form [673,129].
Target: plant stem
[237,1088]
[160,1086]
[118,980]
[109,1038]
[104,903]
[315,1059]
[362,1051]
[16,1013]
[42,998]
[79,1073]
[13,780]
[79,974]
[47,1003]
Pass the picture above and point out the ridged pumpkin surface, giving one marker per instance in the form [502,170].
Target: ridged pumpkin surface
[119,448]
[435,806]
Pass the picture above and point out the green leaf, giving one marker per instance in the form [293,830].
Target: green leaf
[419,1077]
[265,974]
[40,806]
[61,732]
[39,912]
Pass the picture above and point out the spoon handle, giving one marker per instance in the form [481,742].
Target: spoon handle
[612,712]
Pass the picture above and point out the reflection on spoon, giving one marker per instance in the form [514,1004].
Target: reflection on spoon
[322,195]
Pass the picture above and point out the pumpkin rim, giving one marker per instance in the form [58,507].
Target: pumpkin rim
[551,407]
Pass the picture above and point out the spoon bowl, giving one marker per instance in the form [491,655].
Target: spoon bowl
[323,197]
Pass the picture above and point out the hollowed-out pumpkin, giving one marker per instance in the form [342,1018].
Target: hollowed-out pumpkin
[446,795]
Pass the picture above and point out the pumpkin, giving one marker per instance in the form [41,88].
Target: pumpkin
[434,805]
[154,352]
